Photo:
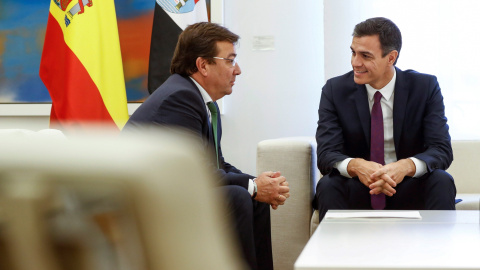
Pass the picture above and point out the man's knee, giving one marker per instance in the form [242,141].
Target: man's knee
[331,192]
[328,183]
[239,200]
[325,184]
[440,191]
[441,180]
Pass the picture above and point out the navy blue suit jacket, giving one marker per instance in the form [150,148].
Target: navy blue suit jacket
[419,123]
[178,103]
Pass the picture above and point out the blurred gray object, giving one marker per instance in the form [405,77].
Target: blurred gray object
[102,202]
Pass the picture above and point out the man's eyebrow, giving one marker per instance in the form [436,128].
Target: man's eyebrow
[362,52]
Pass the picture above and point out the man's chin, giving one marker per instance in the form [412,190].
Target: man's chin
[358,80]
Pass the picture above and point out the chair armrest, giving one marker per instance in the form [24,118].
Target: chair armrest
[295,158]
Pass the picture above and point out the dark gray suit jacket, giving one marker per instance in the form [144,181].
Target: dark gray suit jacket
[178,103]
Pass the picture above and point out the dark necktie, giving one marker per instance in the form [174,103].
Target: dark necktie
[214,113]
[376,145]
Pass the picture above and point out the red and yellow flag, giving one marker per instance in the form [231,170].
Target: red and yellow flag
[81,65]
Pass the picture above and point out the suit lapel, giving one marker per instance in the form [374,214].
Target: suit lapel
[209,132]
[399,106]
[361,100]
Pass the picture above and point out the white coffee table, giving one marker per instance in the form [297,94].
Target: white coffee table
[440,240]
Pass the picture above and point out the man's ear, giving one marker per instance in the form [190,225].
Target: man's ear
[392,57]
[202,66]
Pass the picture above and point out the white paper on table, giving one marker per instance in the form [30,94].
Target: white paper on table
[374,214]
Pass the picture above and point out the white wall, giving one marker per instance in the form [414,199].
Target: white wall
[24,122]
[278,92]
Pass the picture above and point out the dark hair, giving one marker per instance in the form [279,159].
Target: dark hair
[198,40]
[388,33]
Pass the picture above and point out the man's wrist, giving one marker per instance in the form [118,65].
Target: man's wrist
[342,167]
[420,167]
[352,167]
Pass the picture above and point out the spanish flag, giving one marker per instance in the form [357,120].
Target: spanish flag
[81,65]
[169,19]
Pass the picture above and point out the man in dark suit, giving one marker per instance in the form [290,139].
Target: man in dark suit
[415,144]
[203,70]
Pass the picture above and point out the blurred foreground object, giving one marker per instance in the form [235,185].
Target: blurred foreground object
[109,202]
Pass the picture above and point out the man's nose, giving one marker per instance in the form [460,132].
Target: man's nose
[356,61]
[238,70]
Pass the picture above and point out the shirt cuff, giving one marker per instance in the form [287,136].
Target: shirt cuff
[341,166]
[420,167]
[250,186]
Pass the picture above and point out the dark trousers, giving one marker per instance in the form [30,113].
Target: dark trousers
[433,191]
[251,220]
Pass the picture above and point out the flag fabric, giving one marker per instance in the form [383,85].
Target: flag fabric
[170,18]
[81,65]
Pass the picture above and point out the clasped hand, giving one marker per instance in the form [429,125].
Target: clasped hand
[272,188]
[381,178]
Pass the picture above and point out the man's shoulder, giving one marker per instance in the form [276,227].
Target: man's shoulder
[344,78]
[177,91]
[341,83]
[411,74]
[176,86]
[417,84]
[175,83]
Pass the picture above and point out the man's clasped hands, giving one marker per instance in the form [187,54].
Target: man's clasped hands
[381,178]
[272,188]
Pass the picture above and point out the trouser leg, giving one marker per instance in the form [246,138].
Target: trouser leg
[335,192]
[240,213]
[262,235]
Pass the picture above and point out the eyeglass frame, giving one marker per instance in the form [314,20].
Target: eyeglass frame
[233,61]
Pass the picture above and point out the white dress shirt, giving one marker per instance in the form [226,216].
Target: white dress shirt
[388,94]
[206,97]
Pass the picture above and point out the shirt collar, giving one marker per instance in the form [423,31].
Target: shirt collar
[387,90]
[206,97]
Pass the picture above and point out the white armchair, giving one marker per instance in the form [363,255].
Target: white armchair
[295,157]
